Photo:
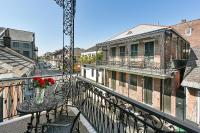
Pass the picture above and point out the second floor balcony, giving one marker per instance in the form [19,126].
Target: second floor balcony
[103,110]
[145,67]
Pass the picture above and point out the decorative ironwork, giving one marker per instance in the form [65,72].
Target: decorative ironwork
[111,112]
[108,111]
[68,30]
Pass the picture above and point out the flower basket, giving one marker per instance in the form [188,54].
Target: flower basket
[40,85]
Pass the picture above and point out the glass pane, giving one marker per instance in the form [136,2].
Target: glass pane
[134,50]
[149,49]
[122,51]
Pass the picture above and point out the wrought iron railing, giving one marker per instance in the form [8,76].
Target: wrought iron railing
[110,112]
[14,91]
[146,66]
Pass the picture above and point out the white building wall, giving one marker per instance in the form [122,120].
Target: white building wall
[91,76]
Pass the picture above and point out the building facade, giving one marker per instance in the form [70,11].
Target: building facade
[89,69]
[22,42]
[147,63]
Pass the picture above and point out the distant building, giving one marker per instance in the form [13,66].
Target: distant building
[89,70]
[21,41]
[56,58]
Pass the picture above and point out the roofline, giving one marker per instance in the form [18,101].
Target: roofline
[19,55]
[146,33]
[20,30]
[198,19]
[132,28]
[176,32]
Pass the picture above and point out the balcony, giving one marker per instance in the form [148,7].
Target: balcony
[144,68]
[104,110]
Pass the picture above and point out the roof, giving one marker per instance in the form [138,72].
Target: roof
[140,29]
[2,29]
[91,49]
[192,71]
[13,62]
[19,35]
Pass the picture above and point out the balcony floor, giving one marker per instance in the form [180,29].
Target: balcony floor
[19,124]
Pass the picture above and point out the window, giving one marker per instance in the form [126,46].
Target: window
[133,82]
[1,42]
[122,79]
[113,50]
[134,50]
[92,72]
[25,45]
[188,31]
[26,53]
[149,49]
[16,44]
[122,51]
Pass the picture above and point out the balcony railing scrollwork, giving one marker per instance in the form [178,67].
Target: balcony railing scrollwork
[146,66]
[111,112]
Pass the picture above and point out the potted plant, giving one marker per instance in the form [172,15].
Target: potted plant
[40,85]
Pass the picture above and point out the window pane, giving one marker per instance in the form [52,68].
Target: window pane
[122,51]
[113,50]
[113,75]
[149,49]
[134,50]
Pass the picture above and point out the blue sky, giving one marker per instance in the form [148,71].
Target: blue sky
[96,20]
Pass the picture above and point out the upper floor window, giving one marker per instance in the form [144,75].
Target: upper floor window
[25,45]
[16,44]
[1,42]
[149,49]
[113,52]
[122,50]
[134,50]
[188,31]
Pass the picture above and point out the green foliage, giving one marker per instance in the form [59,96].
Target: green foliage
[85,59]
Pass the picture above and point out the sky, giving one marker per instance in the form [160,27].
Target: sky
[95,20]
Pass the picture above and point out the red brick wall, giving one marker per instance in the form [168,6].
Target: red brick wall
[156,94]
[191,104]
[194,39]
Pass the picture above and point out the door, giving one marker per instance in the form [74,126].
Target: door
[113,82]
[149,53]
[148,85]
[180,101]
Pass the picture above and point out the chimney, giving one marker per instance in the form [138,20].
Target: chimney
[7,39]
[183,21]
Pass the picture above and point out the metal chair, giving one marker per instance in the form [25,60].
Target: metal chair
[69,125]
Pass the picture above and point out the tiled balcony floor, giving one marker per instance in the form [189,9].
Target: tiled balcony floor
[19,125]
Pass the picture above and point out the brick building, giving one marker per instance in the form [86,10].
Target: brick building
[143,63]
[190,30]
